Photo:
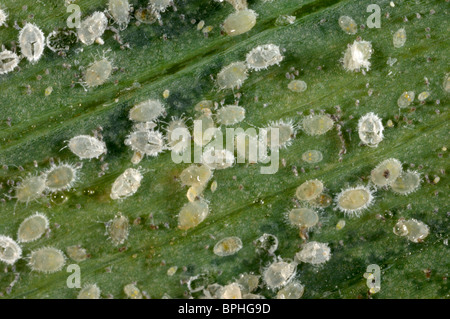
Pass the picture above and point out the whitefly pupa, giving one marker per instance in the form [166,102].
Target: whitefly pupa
[30,188]
[314,253]
[177,135]
[348,25]
[240,22]
[278,274]
[3,17]
[120,12]
[118,229]
[31,42]
[8,61]
[92,28]
[61,40]
[232,75]
[98,72]
[147,111]
[192,214]
[317,124]
[399,38]
[309,190]
[126,184]
[227,246]
[413,229]
[303,217]
[386,172]
[231,291]
[408,182]
[357,56]
[87,147]
[46,260]
[405,99]
[32,228]
[216,158]
[370,129]
[60,177]
[160,5]
[297,86]
[208,130]
[89,291]
[146,142]
[132,291]
[263,56]
[10,251]
[286,132]
[352,201]
[312,156]
[195,175]
[230,114]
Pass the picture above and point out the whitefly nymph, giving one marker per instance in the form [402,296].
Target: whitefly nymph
[386,172]
[407,183]
[413,229]
[31,42]
[317,124]
[357,55]
[120,12]
[283,132]
[293,290]
[195,175]
[147,111]
[126,184]
[98,72]
[3,17]
[149,143]
[370,129]
[46,260]
[216,158]
[227,246]
[240,22]
[30,188]
[314,253]
[207,129]
[297,86]
[303,217]
[90,291]
[230,114]
[118,229]
[177,135]
[60,177]
[8,61]
[192,214]
[309,190]
[263,56]
[87,147]
[348,25]
[399,38]
[232,76]
[160,5]
[353,201]
[61,40]
[10,251]
[92,28]
[32,228]
[278,274]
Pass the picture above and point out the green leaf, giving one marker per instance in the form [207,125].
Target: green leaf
[34,129]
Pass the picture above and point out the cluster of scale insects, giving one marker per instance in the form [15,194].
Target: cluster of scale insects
[151,136]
